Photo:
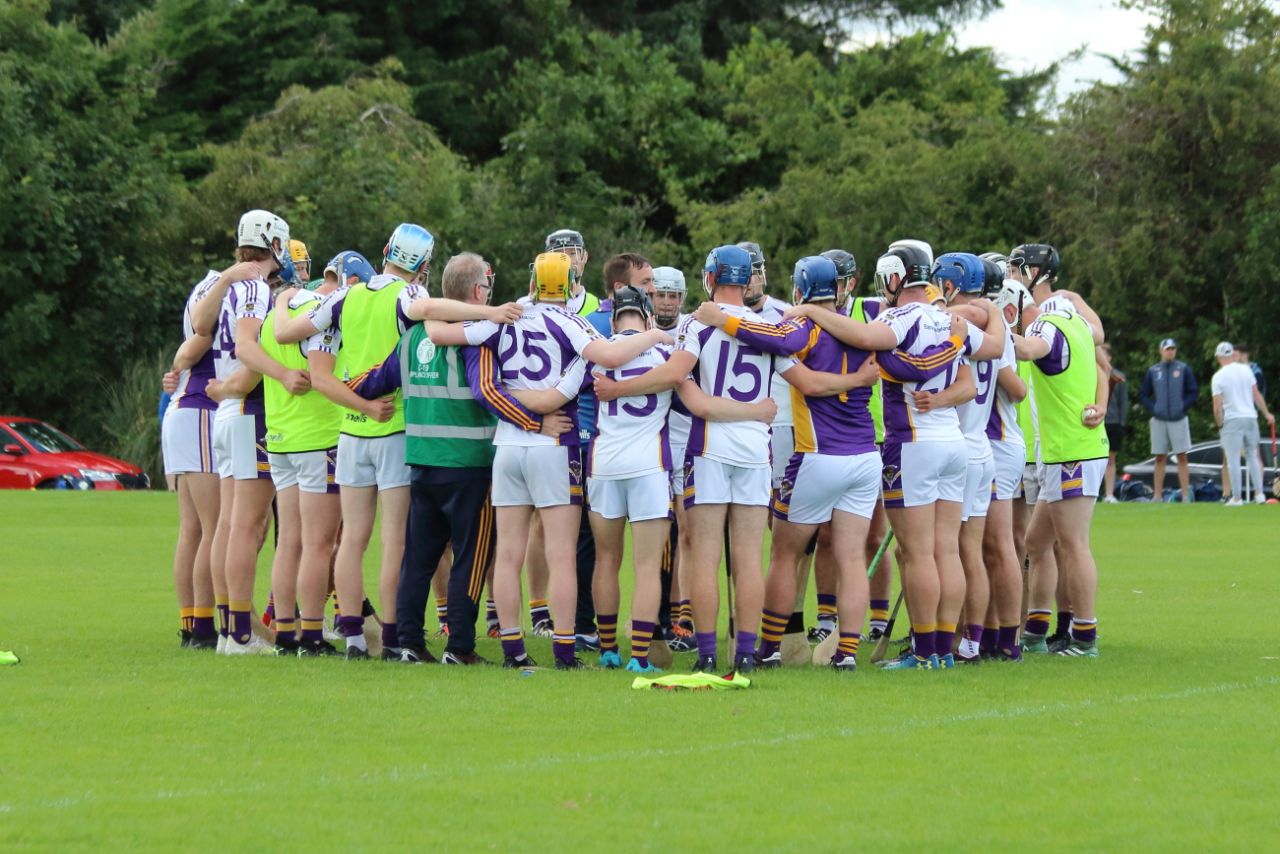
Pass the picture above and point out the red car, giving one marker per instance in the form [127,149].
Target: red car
[35,455]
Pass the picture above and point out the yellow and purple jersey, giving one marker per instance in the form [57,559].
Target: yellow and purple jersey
[193,382]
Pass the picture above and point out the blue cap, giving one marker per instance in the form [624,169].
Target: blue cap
[815,278]
[729,265]
[350,263]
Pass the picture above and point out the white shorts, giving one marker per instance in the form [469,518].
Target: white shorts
[782,445]
[677,471]
[919,473]
[979,479]
[239,445]
[1170,437]
[1061,481]
[538,476]
[637,499]
[310,471]
[1009,458]
[1030,483]
[186,437]
[372,461]
[816,485]
[708,481]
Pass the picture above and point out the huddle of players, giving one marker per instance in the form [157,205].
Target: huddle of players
[945,462]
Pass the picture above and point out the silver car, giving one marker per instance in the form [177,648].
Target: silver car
[1204,461]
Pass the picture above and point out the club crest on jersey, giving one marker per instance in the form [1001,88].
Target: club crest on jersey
[892,476]
[426,350]
[575,471]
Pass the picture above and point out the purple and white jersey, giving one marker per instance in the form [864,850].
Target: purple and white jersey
[779,389]
[193,381]
[534,353]
[632,438]
[250,299]
[975,414]
[729,368]
[919,327]
[1002,424]
[327,316]
[678,423]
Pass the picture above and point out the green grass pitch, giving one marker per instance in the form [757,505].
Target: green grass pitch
[114,738]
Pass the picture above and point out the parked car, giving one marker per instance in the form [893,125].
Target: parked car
[36,455]
[1204,461]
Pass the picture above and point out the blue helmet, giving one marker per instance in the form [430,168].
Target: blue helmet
[350,263]
[729,265]
[815,278]
[409,247]
[962,270]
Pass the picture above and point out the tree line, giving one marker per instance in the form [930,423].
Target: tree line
[134,132]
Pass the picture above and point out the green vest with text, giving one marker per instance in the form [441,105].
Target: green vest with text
[444,426]
[875,405]
[1061,398]
[370,330]
[295,422]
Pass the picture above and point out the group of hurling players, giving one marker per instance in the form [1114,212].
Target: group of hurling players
[950,425]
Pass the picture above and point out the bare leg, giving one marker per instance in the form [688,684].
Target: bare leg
[706,541]
[184,553]
[560,528]
[746,527]
[1184,478]
[359,507]
[1071,519]
[395,514]
[1109,479]
[321,514]
[286,564]
[1158,480]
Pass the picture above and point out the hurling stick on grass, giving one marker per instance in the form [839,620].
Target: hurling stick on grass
[822,652]
[728,574]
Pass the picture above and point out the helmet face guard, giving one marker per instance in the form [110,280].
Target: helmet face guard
[1042,256]
[890,276]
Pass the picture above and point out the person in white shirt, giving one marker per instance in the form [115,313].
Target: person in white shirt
[1236,401]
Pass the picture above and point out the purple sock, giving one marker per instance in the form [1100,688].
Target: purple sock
[922,644]
[988,642]
[241,628]
[512,643]
[312,635]
[224,619]
[942,642]
[1007,640]
[973,633]
[350,627]
[768,647]
[706,643]
[389,637]
[562,646]
[203,626]
[746,644]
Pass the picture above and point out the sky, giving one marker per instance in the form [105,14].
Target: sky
[1030,34]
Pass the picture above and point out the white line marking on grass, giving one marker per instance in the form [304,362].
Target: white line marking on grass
[398,775]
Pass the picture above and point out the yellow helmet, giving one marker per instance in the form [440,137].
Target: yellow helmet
[553,277]
[298,252]
[933,294]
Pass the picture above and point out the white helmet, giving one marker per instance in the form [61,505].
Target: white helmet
[409,247]
[1013,293]
[917,244]
[668,280]
[262,229]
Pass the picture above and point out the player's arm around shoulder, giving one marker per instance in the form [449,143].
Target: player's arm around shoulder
[708,408]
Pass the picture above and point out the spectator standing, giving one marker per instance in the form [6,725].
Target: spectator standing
[1168,390]
[1236,401]
[1116,422]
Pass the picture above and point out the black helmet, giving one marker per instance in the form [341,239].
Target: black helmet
[631,298]
[1040,255]
[846,265]
[757,256]
[916,261]
[993,276]
[565,238]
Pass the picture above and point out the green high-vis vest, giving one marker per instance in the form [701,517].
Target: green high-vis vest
[295,422]
[1061,398]
[444,426]
[370,330]
[1026,421]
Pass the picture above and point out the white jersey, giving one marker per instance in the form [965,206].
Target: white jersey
[678,423]
[779,389]
[918,327]
[247,299]
[193,380]
[975,414]
[534,353]
[728,368]
[1002,425]
[632,438]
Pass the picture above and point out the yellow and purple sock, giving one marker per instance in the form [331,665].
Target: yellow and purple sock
[1064,623]
[944,638]
[641,637]
[442,610]
[607,628]
[1038,622]
[241,629]
[848,646]
[224,616]
[512,643]
[538,611]
[880,614]
[562,646]
[922,639]
[337,609]
[745,644]
[286,629]
[312,629]
[270,613]
[1084,631]
[490,611]
[202,622]
[188,618]
[686,614]
[827,611]
[706,643]
[772,627]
